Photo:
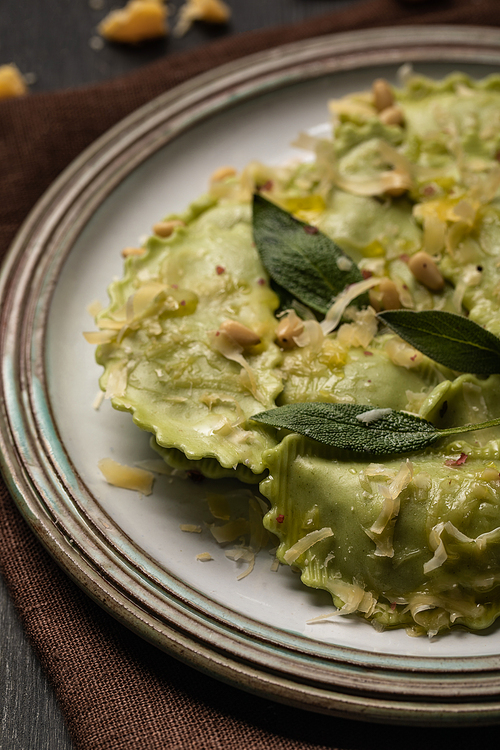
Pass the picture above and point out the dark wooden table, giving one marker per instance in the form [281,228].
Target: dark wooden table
[55,42]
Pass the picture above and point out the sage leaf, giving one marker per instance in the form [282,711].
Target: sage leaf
[299,258]
[449,339]
[360,428]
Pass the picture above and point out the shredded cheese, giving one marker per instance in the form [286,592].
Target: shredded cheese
[190,528]
[94,308]
[382,530]
[229,531]
[96,403]
[219,507]
[204,557]
[231,350]
[307,541]
[343,300]
[126,477]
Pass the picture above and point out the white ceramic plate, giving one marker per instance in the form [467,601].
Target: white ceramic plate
[127,551]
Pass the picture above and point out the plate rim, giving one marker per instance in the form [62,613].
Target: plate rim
[30,433]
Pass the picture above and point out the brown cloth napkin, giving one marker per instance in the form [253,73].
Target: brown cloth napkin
[117,691]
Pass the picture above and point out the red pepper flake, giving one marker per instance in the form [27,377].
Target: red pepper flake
[308,229]
[393,606]
[366,274]
[457,461]
[280,518]
[217,333]
[368,354]
[266,186]
[183,302]
[429,190]
[261,282]
[413,358]
[174,286]
[404,257]
[220,270]
[195,475]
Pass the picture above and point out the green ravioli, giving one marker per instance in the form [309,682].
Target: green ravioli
[163,364]
[402,541]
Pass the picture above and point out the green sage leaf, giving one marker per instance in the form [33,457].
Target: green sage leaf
[340,426]
[449,339]
[299,258]
[360,428]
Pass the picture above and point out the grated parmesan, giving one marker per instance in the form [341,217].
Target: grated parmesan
[373,415]
[307,541]
[96,403]
[204,557]
[126,477]
[229,531]
[343,300]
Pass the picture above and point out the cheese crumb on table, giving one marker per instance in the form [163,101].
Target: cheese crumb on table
[137,21]
[210,11]
[12,83]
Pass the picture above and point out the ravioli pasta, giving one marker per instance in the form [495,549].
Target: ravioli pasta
[407,542]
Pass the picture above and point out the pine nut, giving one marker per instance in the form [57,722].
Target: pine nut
[490,474]
[165,228]
[385,296]
[289,327]
[382,94]
[392,116]
[426,271]
[242,335]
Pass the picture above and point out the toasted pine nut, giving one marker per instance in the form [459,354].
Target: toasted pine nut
[382,94]
[426,271]
[289,327]
[222,174]
[165,228]
[392,116]
[385,296]
[243,336]
[128,251]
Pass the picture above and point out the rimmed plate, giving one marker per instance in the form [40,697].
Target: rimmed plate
[128,552]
